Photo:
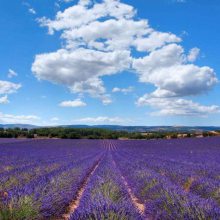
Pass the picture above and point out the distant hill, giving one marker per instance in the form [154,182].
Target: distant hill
[18,126]
[149,128]
[125,128]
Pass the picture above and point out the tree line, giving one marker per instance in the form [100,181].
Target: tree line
[85,133]
[67,133]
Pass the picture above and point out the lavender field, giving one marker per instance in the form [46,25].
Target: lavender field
[110,179]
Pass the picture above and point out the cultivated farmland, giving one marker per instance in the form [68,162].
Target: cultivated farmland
[110,179]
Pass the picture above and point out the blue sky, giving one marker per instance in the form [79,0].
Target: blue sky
[145,62]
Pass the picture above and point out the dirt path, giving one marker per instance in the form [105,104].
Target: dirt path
[136,202]
[139,206]
[75,203]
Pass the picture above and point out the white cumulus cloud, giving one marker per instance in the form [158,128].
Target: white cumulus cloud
[168,70]
[193,54]
[123,90]
[4,100]
[74,103]
[32,11]
[80,70]
[102,120]
[99,39]
[8,87]
[18,119]
[176,106]
[11,73]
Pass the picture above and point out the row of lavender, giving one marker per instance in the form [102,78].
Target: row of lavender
[39,178]
[106,196]
[175,179]
[172,179]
